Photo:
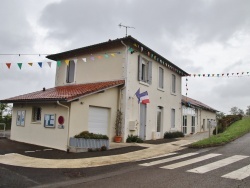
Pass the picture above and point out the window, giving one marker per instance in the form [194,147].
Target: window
[173,83]
[70,77]
[161,77]
[36,114]
[144,70]
[159,119]
[172,118]
[184,125]
[193,124]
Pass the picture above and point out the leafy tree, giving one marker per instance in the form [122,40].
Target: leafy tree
[219,115]
[248,111]
[240,112]
[234,110]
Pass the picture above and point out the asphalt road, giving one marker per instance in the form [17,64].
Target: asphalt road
[225,160]
[135,174]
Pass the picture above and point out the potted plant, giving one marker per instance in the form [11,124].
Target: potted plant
[118,127]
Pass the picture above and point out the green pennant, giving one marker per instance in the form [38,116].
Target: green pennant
[59,63]
[19,65]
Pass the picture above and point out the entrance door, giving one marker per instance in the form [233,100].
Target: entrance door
[143,112]
[184,125]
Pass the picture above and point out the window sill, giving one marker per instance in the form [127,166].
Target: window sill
[144,83]
[36,122]
[161,89]
[173,93]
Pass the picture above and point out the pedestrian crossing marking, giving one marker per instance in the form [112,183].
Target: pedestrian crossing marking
[190,161]
[159,156]
[168,159]
[239,174]
[217,164]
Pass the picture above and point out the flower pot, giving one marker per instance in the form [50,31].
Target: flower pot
[117,139]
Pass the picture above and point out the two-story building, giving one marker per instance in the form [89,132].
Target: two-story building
[91,84]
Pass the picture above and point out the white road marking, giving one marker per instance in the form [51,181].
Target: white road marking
[29,151]
[38,150]
[191,161]
[168,159]
[217,164]
[159,156]
[239,174]
[47,149]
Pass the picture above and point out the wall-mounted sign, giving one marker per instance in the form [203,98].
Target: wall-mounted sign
[20,119]
[49,120]
[61,120]
[60,126]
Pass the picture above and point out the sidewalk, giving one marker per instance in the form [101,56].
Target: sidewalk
[151,150]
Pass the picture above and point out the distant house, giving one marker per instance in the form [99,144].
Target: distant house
[91,84]
[196,116]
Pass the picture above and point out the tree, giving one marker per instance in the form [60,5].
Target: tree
[5,108]
[219,115]
[234,110]
[240,112]
[248,111]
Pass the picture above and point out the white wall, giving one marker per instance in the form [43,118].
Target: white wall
[158,97]
[36,133]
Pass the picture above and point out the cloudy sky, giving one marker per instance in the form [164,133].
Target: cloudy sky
[200,36]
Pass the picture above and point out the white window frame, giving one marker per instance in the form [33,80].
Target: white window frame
[173,84]
[70,79]
[172,118]
[144,70]
[36,114]
[161,78]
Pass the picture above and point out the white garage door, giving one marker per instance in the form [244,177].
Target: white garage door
[98,120]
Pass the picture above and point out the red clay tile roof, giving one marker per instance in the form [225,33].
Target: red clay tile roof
[64,93]
[192,102]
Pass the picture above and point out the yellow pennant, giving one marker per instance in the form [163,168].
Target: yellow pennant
[30,64]
[67,62]
[112,55]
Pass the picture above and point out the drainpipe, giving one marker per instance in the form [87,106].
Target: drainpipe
[126,69]
[68,123]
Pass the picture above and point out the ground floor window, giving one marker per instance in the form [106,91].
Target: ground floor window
[159,119]
[172,118]
[193,124]
[184,125]
[36,114]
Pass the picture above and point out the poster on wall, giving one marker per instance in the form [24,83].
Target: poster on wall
[20,119]
[49,120]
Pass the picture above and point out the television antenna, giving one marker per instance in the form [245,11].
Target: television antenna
[120,25]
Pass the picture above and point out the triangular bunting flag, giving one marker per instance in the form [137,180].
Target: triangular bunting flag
[113,55]
[19,65]
[99,57]
[49,63]
[8,65]
[40,64]
[30,64]
[67,62]
[106,55]
[75,61]
[59,63]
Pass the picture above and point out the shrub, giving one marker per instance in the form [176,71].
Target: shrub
[175,134]
[134,138]
[220,130]
[88,135]
[103,148]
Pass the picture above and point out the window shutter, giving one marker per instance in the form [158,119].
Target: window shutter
[149,72]
[139,68]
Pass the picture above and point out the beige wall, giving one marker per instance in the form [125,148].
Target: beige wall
[36,133]
[80,109]
[104,69]
[158,97]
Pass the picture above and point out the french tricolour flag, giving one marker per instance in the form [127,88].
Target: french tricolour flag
[142,97]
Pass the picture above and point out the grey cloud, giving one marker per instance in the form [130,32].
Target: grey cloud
[16,33]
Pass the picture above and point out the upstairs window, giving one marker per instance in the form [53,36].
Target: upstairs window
[161,77]
[36,114]
[173,90]
[70,74]
[144,70]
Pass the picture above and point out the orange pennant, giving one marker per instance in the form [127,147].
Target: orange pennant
[8,65]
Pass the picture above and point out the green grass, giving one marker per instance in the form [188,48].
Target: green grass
[235,131]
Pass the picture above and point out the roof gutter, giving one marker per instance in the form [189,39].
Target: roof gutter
[68,123]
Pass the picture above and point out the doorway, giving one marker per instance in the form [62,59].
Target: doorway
[143,120]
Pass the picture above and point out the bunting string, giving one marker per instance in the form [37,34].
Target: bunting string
[234,74]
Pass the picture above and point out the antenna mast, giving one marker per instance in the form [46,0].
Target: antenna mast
[120,25]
